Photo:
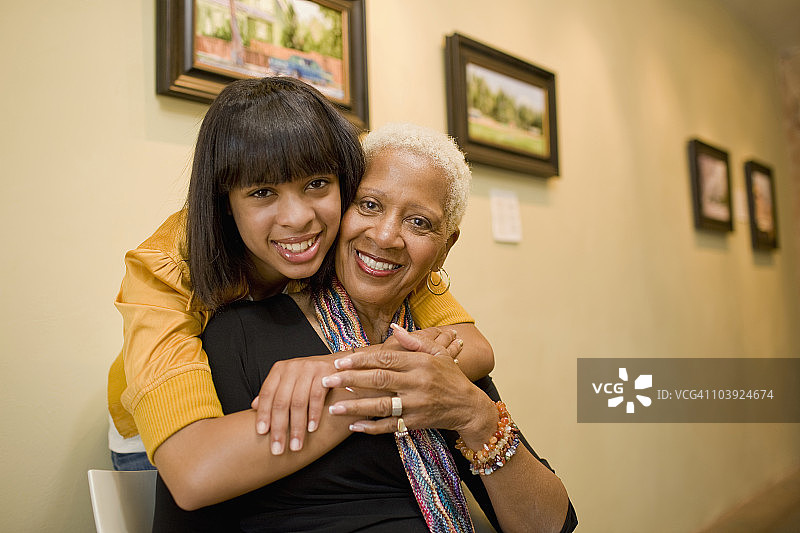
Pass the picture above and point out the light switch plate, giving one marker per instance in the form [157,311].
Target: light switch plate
[506,220]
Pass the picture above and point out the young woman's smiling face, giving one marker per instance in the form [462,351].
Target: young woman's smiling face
[287,227]
[393,234]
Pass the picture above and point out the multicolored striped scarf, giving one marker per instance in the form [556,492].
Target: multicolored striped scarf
[426,459]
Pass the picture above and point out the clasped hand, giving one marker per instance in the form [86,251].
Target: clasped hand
[434,392]
[293,395]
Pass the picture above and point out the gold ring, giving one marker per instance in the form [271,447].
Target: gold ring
[397,406]
[401,427]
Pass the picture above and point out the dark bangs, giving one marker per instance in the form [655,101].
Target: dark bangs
[258,131]
[278,137]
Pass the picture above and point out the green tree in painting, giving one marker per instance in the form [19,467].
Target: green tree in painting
[479,96]
[323,36]
[331,42]
[528,119]
[290,36]
[505,110]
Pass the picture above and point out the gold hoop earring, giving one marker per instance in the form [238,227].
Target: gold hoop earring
[435,287]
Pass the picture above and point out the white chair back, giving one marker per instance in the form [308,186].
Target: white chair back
[123,502]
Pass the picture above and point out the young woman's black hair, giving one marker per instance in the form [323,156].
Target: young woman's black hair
[258,131]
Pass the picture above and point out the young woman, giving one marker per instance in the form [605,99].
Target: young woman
[275,165]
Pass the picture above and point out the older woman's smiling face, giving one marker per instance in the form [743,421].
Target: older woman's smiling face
[393,234]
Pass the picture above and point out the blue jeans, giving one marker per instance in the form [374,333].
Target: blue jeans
[131,461]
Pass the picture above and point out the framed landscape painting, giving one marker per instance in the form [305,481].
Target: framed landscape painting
[500,109]
[202,45]
[761,205]
[711,187]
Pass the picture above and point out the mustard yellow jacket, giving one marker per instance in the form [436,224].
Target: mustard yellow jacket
[161,380]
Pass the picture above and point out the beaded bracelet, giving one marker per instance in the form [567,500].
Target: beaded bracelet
[500,448]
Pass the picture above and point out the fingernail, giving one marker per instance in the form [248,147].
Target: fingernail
[294,445]
[356,427]
[312,426]
[336,409]
[331,381]
[277,449]
[460,342]
[395,326]
[344,362]
[261,428]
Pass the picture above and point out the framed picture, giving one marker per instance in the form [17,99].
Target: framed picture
[500,109]
[711,187]
[202,45]
[761,205]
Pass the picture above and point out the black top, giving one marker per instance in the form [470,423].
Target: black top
[358,486]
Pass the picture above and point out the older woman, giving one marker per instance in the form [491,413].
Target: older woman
[353,474]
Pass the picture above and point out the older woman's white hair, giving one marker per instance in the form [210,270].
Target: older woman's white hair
[440,149]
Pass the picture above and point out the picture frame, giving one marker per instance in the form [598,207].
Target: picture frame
[322,42]
[709,169]
[761,202]
[500,109]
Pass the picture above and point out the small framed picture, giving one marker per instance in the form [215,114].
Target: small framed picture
[202,45]
[761,205]
[500,109]
[711,187]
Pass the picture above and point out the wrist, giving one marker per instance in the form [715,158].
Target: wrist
[494,453]
[482,423]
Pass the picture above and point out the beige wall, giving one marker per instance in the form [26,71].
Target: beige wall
[610,265]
